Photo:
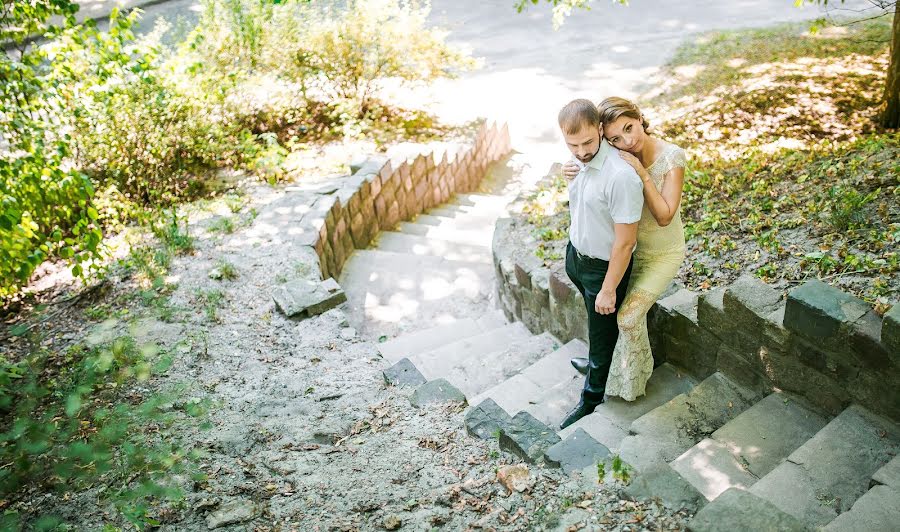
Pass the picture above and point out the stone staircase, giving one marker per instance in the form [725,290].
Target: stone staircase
[743,459]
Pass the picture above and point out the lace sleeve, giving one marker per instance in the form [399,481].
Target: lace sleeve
[678,159]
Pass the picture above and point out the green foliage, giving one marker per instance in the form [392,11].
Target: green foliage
[621,470]
[210,300]
[561,8]
[66,427]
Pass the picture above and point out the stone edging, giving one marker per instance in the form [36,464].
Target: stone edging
[379,195]
[820,343]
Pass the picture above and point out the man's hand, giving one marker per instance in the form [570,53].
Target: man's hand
[605,302]
[570,170]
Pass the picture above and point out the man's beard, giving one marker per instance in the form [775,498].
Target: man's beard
[591,158]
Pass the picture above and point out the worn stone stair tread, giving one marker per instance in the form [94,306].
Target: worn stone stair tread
[477,363]
[878,510]
[430,219]
[478,237]
[667,431]
[739,510]
[514,394]
[421,245]
[553,405]
[492,319]
[749,446]
[446,210]
[828,473]
[610,421]
[423,340]
[386,275]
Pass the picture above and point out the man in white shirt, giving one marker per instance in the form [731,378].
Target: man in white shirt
[605,200]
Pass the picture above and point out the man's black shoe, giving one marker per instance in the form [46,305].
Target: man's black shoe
[581,364]
[577,413]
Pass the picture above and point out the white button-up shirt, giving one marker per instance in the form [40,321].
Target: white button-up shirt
[607,191]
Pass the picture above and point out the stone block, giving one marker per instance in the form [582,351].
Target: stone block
[487,420]
[736,509]
[741,371]
[890,331]
[711,313]
[576,452]
[540,287]
[823,314]
[690,352]
[527,438]
[372,165]
[561,288]
[866,343]
[437,391]
[889,475]
[304,298]
[659,481]
[749,302]
[375,185]
[403,373]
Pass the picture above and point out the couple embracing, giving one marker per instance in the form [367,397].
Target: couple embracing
[626,240]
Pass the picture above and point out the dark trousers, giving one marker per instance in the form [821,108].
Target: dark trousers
[587,274]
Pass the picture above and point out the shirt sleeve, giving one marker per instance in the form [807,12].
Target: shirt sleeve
[626,198]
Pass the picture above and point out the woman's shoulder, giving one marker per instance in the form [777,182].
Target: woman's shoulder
[671,155]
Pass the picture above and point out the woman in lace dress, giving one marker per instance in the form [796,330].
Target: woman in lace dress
[660,240]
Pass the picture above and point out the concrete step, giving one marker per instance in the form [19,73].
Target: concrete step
[420,245]
[828,473]
[876,511]
[480,362]
[521,390]
[611,420]
[480,236]
[425,340]
[669,430]
[749,446]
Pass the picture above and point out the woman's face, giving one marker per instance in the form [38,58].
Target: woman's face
[626,134]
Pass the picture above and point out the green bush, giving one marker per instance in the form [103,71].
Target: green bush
[65,426]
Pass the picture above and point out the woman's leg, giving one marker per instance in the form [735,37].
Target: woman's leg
[632,362]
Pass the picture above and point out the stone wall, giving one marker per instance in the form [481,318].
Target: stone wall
[381,194]
[815,340]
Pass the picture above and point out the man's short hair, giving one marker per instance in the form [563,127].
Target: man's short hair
[577,114]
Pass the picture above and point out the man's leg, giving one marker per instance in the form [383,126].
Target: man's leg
[602,333]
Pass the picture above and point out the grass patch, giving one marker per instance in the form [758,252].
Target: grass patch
[211,301]
[789,177]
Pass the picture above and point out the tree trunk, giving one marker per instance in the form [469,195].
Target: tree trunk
[890,117]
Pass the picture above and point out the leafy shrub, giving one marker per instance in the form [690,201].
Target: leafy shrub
[65,427]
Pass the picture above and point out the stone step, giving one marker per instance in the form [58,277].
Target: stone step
[447,211]
[749,446]
[474,236]
[611,420]
[669,430]
[387,289]
[480,362]
[828,473]
[420,245]
[553,405]
[878,510]
[518,392]
[424,340]
[492,319]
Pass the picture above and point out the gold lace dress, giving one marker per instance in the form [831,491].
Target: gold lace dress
[657,258]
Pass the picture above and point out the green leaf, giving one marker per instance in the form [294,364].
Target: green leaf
[73,404]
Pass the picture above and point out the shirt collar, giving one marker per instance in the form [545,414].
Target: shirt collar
[597,162]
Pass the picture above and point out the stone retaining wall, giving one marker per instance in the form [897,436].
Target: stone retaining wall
[818,342]
[381,194]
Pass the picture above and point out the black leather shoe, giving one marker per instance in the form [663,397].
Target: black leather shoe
[581,364]
[577,413]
